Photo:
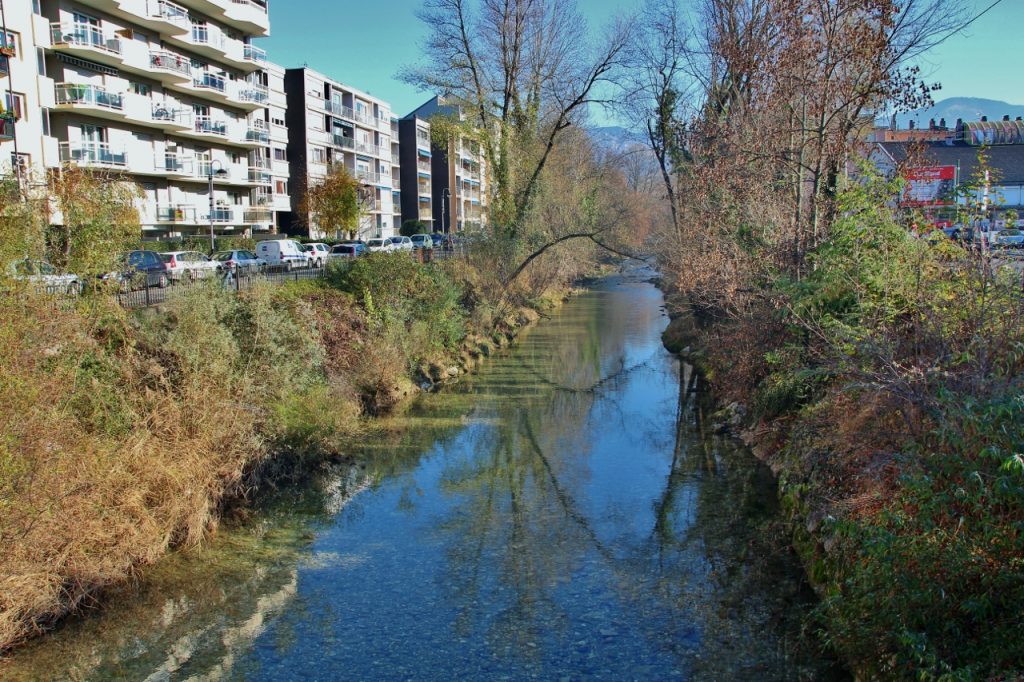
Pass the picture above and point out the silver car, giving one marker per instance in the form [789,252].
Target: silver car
[45,277]
[188,265]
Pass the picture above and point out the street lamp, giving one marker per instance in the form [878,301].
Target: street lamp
[220,173]
[445,196]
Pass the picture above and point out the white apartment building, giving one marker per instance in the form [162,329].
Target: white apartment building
[173,95]
[396,177]
[331,123]
[25,144]
[458,177]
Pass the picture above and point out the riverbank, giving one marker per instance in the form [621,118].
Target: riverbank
[128,434]
[563,512]
[915,559]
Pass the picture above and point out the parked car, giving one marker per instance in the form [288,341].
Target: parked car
[241,262]
[1009,239]
[348,251]
[285,253]
[188,266]
[379,245]
[140,268]
[422,241]
[401,244]
[438,239]
[318,253]
[45,277]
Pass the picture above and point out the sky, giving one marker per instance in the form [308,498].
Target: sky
[364,43]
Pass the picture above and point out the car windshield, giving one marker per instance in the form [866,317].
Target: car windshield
[165,257]
[224,255]
[376,242]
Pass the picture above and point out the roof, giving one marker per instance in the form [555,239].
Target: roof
[1006,162]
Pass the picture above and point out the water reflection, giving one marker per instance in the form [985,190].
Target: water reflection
[558,516]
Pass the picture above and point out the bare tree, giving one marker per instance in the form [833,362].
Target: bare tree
[525,72]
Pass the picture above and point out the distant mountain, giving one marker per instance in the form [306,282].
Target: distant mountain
[967,108]
[616,139]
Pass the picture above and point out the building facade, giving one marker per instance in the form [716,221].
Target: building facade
[330,124]
[417,172]
[458,177]
[170,95]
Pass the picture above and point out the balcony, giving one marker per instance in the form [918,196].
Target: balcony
[180,214]
[253,54]
[424,189]
[210,81]
[88,97]
[95,154]
[175,164]
[339,109]
[254,94]
[177,67]
[257,132]
[422,140]
[260,175]
[343,142]
[86,41]
[167,117]
[173,18]
[205,125]
[395,161]
[423,167]
[220,214]
[258,215]
[368,176]
[371,149]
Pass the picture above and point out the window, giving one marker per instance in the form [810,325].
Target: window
[280,154]
[319,156]
[10,42]
[15,103]
[280,187]
[277,121]
[140,89]
[21,163]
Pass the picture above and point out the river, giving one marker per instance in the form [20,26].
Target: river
[561,515]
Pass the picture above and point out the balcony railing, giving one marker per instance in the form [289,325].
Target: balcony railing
[209,81]
[221,214]
[342,141]
[162,112]
[257,132]
[175,163]
[395,161]
[260,175]
[205,124]
[255,54]
[364,116]
[168,61]
[168,11]
[258,215]
[424,188]
[423,167]
[368,176]
[259,6]
[91,154]
[175,213]
[91,95]
[366,148]
[84,35]
[423,140]
[254,94]
[339,109]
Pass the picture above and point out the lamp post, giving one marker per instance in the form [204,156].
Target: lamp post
[220,173]
[445,197]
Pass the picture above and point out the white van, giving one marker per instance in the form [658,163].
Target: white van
[282,252]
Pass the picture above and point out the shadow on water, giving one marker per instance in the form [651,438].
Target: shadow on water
[560,515]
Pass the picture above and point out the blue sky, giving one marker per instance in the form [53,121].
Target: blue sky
[365,43]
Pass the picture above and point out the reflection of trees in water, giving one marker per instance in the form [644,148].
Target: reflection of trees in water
[706,564]
[196,613]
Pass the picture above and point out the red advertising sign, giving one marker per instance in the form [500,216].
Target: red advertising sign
[931,186]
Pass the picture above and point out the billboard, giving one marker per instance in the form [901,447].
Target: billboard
[929,186]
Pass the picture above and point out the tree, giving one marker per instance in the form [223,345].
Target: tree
[98,219]
[523,72]
[411,227]
[335,203]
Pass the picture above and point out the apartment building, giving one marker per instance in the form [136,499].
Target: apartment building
[458,178]
[25,143]
[417,173]
[173,95]
[329,124]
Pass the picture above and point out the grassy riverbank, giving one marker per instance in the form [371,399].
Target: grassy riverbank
[884,390]
[127,434]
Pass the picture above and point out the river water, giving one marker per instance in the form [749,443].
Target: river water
[561,515]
